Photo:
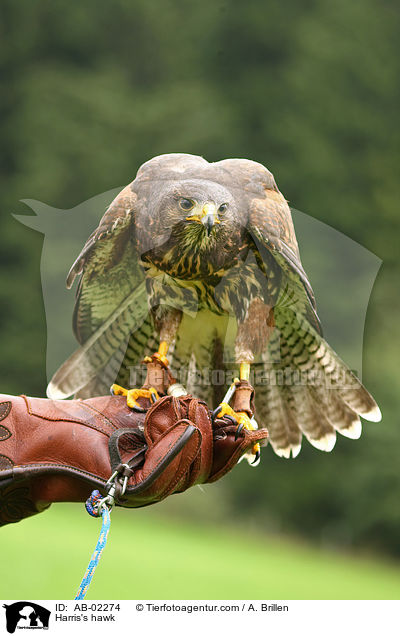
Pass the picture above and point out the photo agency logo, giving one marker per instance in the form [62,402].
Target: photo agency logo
[26,615]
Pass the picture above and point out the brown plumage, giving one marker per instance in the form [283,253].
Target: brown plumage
[205,255]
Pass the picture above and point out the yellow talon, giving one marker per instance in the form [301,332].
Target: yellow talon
[242,419]
[240,416]
[118,390]
[132,395]
[225,409]
[256,449]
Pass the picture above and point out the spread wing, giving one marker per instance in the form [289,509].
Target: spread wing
[111,300]
[319,396]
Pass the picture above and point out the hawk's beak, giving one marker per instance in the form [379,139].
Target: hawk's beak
[209,217]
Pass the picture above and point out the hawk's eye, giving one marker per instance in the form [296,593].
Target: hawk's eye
[222,208]
[186,204]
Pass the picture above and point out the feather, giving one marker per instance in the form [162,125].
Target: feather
[273,411]
[116,219]
[85,363]
[313,392]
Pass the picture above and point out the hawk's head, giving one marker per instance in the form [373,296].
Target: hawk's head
[188,204]
[195,221]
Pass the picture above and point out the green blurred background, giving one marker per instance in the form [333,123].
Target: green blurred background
[90,91]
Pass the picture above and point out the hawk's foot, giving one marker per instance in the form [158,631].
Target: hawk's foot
[133,394]
[243,421]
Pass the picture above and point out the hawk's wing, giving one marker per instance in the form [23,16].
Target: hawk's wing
[108,266]
[271,227]
[310,391]
[111,298]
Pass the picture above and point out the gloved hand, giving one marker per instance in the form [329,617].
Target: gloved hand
[55,450]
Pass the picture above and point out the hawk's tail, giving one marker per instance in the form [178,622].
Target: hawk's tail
[305,388]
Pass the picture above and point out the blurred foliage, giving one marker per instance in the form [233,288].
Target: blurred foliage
[91,90]
[179,560]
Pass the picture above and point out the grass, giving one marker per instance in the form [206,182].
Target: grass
[150,557]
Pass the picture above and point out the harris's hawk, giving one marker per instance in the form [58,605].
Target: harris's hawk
[201,260]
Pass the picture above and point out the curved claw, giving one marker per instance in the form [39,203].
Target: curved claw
[231,419]
[256,458]
[153,396]
[215,413]
[136,407]
[238,430]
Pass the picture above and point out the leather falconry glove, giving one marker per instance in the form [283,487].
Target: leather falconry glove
[55,450]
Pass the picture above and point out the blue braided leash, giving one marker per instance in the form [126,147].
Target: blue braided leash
[93,509]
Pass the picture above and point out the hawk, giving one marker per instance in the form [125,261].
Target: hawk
[200,260]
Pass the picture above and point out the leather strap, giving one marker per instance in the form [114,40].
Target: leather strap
[243,398]
[113,449]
